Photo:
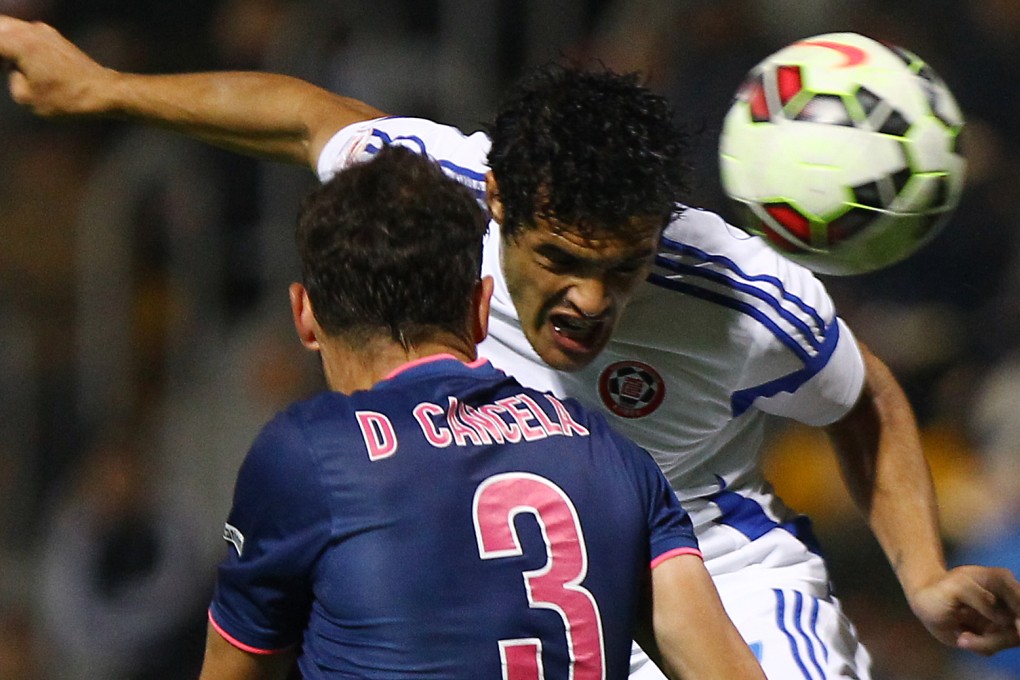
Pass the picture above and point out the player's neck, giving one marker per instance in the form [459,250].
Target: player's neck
[349,369]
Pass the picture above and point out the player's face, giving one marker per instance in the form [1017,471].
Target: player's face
[569,290]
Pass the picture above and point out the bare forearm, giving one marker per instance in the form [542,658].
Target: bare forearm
[884,467]
[261,114]
[969,607]
[693,636]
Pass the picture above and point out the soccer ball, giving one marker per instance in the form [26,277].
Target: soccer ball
[842,152]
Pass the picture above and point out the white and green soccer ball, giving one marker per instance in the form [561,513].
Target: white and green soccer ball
[843,153]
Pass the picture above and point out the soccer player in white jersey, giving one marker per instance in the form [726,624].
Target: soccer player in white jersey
[714,332]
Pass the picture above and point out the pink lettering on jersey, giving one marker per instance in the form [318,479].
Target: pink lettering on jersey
[523,416]
[556,586]
[509,420]
[439,437]
[461,431]
[378,433]
[511,431]
[548,425]
[482,424]
[521,659]
[567,422]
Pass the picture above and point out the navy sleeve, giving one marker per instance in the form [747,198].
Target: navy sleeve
[278,525]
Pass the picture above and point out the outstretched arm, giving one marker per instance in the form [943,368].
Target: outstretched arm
[687,632]
[259,114]
[879,450]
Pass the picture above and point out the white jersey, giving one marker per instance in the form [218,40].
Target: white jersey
[724,335]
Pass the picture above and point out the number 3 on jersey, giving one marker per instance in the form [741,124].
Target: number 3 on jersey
[498,500]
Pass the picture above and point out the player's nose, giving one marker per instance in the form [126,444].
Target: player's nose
[591,297]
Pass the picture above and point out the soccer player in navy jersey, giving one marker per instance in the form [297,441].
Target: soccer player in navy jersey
[690,333]
[429,517]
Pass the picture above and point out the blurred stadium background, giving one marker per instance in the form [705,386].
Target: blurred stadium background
[145,334]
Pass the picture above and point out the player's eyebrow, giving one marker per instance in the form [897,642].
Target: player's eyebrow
[556,253]
[552,251]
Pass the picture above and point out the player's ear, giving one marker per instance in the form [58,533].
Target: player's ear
[492,200]
[480,306]
[304,320]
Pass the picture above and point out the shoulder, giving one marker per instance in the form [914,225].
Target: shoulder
[757,322]
[703,238]
[606,442]
[622,459]
[708,229]
[282,456]
[702,255]
[279,440]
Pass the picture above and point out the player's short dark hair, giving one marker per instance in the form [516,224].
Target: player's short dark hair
[391,246]
[590,147]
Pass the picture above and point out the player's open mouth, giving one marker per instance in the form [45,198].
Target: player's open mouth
[577,334]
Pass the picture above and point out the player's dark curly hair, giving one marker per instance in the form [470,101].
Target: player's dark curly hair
[391,246]
[590,147]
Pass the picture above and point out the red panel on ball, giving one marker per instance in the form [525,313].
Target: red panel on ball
[791,220]
[780,242]
[756,100]
[789,82]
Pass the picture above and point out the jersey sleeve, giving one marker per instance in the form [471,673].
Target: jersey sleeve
[277,526]
[463,157]
[803,332]
[805,363]
[827,391]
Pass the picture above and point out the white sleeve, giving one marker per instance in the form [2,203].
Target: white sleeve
[463,157]
[830,393]
[347,146]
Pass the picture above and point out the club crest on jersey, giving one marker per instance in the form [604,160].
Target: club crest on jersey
[631,389]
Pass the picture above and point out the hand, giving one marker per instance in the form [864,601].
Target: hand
[48,74]
[972,608]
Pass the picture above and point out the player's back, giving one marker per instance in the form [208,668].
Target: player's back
[456,522]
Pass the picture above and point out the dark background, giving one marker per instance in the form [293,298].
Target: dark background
[145,334]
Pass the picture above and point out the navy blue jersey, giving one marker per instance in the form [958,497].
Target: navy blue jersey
[447,523]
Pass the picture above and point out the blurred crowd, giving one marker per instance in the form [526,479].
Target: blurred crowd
[145,334]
